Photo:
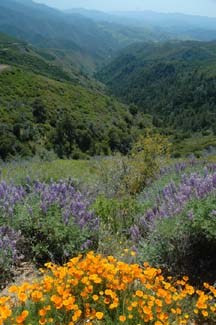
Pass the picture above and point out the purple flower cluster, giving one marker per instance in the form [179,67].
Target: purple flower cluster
[37,199]
[71,203]
[8,246]
[172,199]
[10,195]
[180,167]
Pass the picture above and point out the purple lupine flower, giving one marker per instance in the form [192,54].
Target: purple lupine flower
[43,207]
[205,171]
[134,233]
[8,244]
[172,199]
[66,215]
[86,245]
[30,211]
[28,179]
[191,215]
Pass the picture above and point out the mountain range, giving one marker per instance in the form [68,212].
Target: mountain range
[80,83]
[86,42]
[90,38]
[159,25]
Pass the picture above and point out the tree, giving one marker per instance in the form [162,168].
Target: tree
[39,111]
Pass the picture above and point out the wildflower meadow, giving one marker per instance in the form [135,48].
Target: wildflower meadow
[106,255]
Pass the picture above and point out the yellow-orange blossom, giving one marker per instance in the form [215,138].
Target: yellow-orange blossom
[94,288]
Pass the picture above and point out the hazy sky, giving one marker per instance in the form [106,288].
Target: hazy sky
[197,7]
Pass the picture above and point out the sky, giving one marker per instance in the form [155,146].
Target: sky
[195,7]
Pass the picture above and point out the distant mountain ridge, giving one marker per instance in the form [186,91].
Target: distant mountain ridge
[173,25]
[49,28]
[86,39]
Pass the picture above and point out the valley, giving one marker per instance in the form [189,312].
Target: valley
[107,166]
[173,81]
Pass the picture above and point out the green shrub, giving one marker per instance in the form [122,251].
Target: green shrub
[117,214]
[48,238]
[123,176]
[185,244]
[147,156]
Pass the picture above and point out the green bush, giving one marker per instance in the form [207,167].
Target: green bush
[47,237]
[185,244]
[123,176]
[117,214]
[147,156]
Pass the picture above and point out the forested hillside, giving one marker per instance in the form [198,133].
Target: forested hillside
[173,81]
[19,53]
[44,106]
[47,104]
[38,113]
[47,85]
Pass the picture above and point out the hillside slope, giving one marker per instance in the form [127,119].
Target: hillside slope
[173,81]
[38,113]
[44,107]
[21,54]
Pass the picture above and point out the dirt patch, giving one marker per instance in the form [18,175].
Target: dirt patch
[25,273]
[3,67]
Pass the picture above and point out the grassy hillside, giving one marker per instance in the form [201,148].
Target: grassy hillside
[45,62]
[173,81]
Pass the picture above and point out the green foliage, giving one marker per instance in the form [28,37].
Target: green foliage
[118,215]
[47,237]
[148,155]
[127,175]
[198,143]
[185,244]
